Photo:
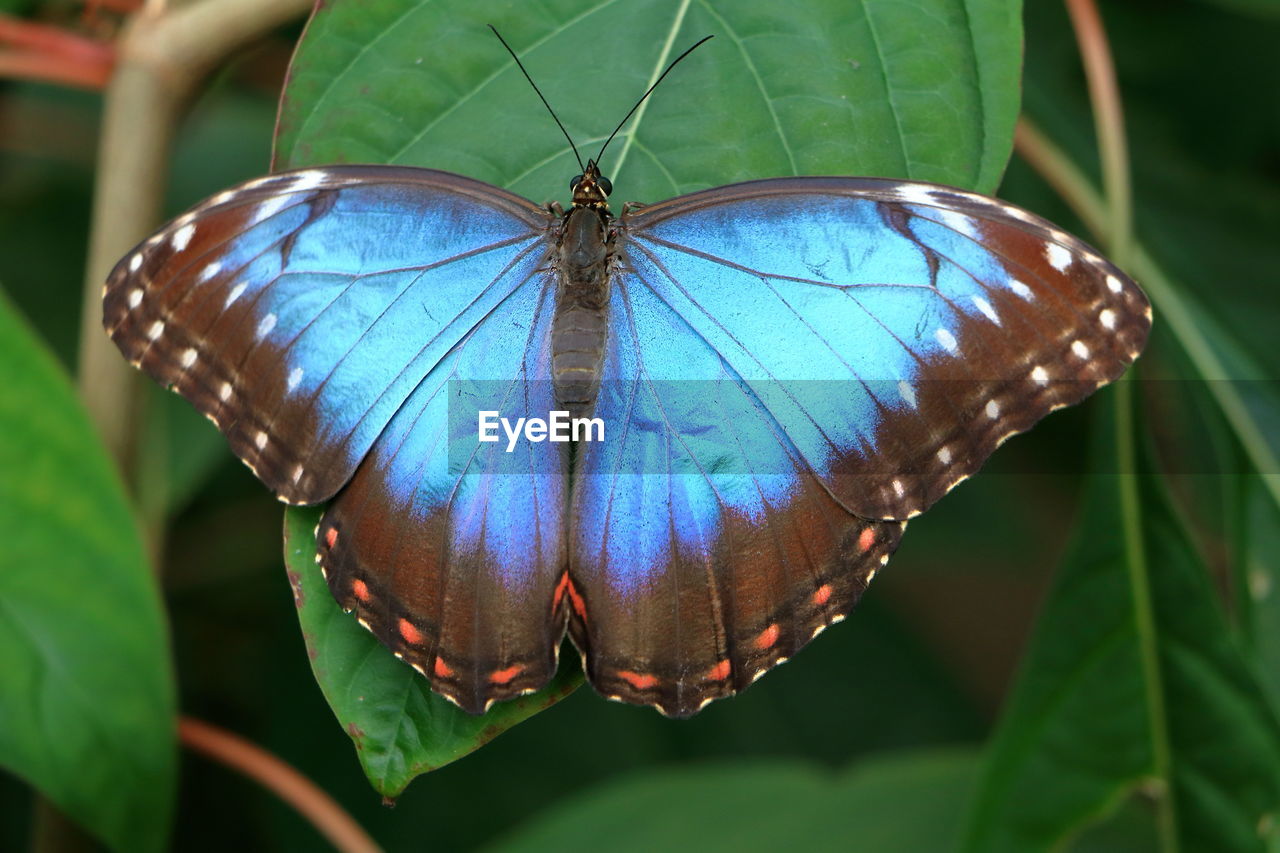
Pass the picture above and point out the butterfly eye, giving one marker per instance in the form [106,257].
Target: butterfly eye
[574,181]
[606,185]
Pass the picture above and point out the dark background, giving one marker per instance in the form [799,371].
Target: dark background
[926,659]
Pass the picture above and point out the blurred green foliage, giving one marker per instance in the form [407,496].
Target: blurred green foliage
[872,712]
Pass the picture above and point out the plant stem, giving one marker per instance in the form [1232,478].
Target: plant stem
[324,813]
[1104,97]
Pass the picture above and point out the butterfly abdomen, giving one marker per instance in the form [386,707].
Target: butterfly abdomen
[579,325]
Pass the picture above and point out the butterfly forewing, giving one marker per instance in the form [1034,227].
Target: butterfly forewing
[896,332]
[299,311]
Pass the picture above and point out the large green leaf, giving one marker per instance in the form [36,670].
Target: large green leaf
[909,802]
[86,693]
[925,89]
[1133,684]
[400,728]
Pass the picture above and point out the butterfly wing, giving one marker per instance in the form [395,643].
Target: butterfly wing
[326,320]
[449,549]
[299,311]
[796,367]
[898,331]
[703,550]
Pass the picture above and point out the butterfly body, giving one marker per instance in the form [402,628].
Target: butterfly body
[785,371]
[580,324]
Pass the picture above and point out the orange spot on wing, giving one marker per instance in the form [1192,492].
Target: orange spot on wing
[411,635]
[637,680]
[768,636]
[331,537]
[504,676]
[361,590]
[442,669]
[579,606]
[823,595]
[866,539]
[565,586]
[719,672]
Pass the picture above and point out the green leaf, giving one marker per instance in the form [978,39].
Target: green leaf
[908,802]
[923,89]
[400,728]
[1266,9]
[1257,552]
[1134,683]
[86,693]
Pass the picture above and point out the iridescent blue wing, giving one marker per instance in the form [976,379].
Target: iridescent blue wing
[299,311]
[801,365]
[703,549]
[321,319]
[450,549]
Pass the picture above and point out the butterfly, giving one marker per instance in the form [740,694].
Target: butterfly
[770,378]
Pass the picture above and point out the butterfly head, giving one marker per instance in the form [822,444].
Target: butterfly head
[591,189]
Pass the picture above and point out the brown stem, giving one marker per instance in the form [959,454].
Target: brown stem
[44,68]
[329,818]
[1104,96]
[160,59]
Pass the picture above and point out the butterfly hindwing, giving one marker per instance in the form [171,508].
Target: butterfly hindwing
[449,549]
[299,311]
[703,551]
[898,331]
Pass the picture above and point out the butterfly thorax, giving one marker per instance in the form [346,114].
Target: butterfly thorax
[579,324]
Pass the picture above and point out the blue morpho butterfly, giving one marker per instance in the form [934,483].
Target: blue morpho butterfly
[784,371]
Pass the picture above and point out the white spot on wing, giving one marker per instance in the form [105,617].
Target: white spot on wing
[266,324]
[907,393]
[182,237]
[1040,375]
[1113,284]
[307,180]
[260,440]
[947,340]
[1108,318]
[985,307]
[210,271]
[297,474]
[898,488]
[944,455]
[295,376]
[993,409]
[188,357]
[916,194]
[959,223]
[156,330]
[135,262]
[270,208]
[234,295]
[1079,348]
[1020,288]
[1058,256]
[224,393]
[135,297]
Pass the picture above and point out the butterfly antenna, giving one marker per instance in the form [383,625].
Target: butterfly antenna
[649,91]
[520,65]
